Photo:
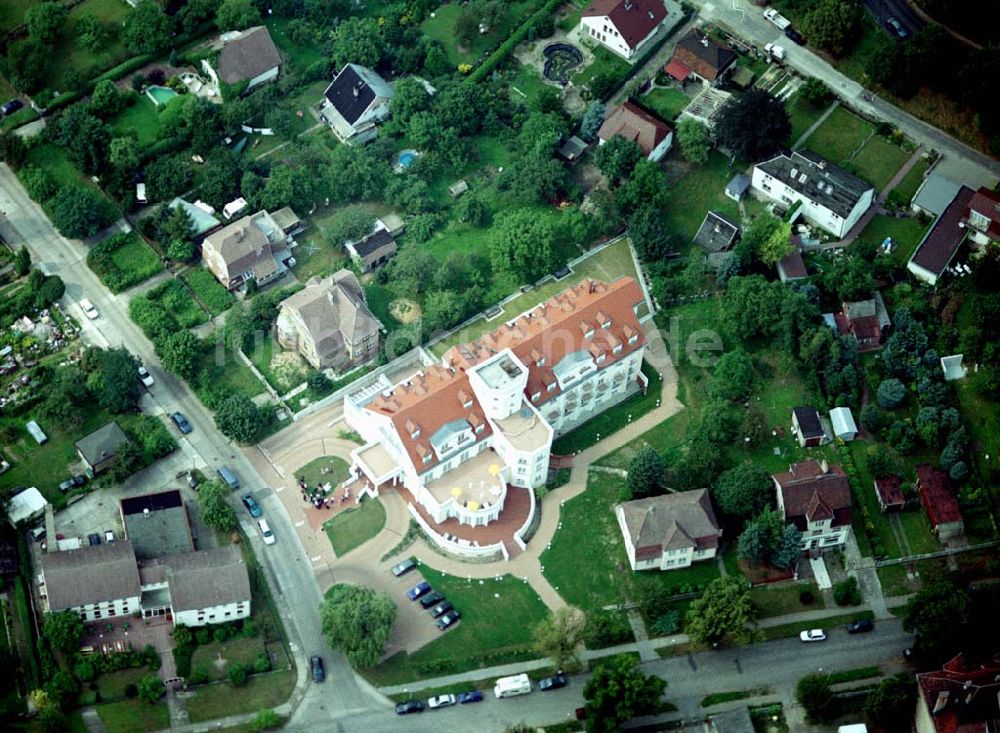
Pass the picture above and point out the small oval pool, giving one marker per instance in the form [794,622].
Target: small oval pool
[160,95]
[407,157]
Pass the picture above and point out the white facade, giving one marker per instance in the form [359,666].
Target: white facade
[213,615]
[921,273]
[602,29]
[771,188]
[819,534]
[107,609]
[263,78]
[673,559]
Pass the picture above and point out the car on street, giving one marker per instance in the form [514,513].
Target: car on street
[145,377]
[109,536]
[448,619]
[228,477]
[404,567]
[266,532]
[441,609]
[252,506]
[73,482]
[552,683]
[813,635]
[94,538]
[441,701]
[861,626]
[410,706]
[88,308]
[793,35]
[432,599]
[181,422]
[9,108]
[898,28]
[316,666]
[464,698]
[420,589]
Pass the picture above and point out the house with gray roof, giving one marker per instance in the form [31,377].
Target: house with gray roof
[99,450]
[97,582]
[247,57]
[157,524]
[829,196]
[934,194]
[354,103]
[328,322]
[670,531]
[717,232]
[374,250]
[251,248]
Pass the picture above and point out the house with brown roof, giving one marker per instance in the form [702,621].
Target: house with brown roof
[623,26]
[889,490]
[251,248]
[816,498]
[940,502]
[982,216]
[247,57]
[328,323]
[866,321]
[700,57]
[670,531]
[941,243]
[792,267]
[653,136]
[961,697]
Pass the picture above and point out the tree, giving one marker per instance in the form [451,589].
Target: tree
[618,691]
[146,28]
[22,262]
[114,381]
[358,620]
[846,593]
[816,92]
[560,635]
[617,158]
[13,150]
[789,547]
[181,251]
[753,307]
[413,269]
[646,474]
[106,101]
[466,27]
[176,226]
[181,353]
[150,689]
[768,540]
[80,212]
[264,720]
[767,239]
[349,225]
[693,138]
[744,490]
[592,120]
[938,615]
[357,41]
[814,694]
[753,125]
[236,15]
[237,674]
[167,176]
[46,21]
[891,393]
[215,509]
[64,630]
[239,418]
[442,309]
[732,377]
[124,153]
[833,25]
[521,244]
[724,612]
[890,704]
[62,689]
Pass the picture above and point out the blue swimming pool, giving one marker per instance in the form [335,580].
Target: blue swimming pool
[406,157]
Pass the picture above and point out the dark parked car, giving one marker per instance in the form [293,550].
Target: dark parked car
[441,609]
[420,589]
[94,539]
[552,683]
[252,506]
[316,665]
[794,35]
[410,706]
[432,599]
[73,482]
[9,108]
[470,696]
[448,619]
[404,567]
[898,28]
[181,422]
[861,626]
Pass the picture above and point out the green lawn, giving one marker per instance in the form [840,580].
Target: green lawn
[906,189]
[879,160]
[321,470]
[239,650]
[787,630]
[130,264]
[298,56]
[12,13]
[497,619]
[605,63]
[894,581]
[223,373]
[839,135]
[112,684]
[906,235]
[441,28]
[529,83]
[128,716]
[219,700]
[918,532]
[177,302]
[354,526]
[803,115]
[783,599]
[702,188]
[215,298]
[667,103]
[73,57]
[142,116]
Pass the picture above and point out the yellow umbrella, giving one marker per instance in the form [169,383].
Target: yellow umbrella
[473,505]
[494,469]
[456,492]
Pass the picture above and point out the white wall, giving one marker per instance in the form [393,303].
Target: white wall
[771,188]
[106,609]
[603,31]
[213,615]
[921,274]
[660,150]
[261,78]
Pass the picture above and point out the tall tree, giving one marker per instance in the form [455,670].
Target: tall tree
[693,138]
[521,244]
[239,418]
[724,612]
[744,490]
[814,694]
[46,21]
[560,635]
[617,158]
[215,510]
[732,377]
[146,28]
[646,473]
[357,41]
[114,381]
[181,353]
[237,15]
[890,704]
[357,620]
[618,691]
[939,615]
[753,125]
[64,630]
[834,25]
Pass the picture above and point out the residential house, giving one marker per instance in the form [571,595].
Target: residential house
[374,250]
[705,107]
[623,26]
[738,186]
[157,524]
[251,248]
[96,582]
[934,195]
[288,221]
[961,697]
[328,323]
[941,242]
[866,321]
[792,267]
[653,136]
[25,506]
[889,490]
[99,449]
[982,216]
[939,501]
[670,531]
[699,56]
[247,57]
[816,498]
[456,434]
[717,232]
[830,197]
[842,422]
[952,367]
[808,427]
[202,216]
[354,103]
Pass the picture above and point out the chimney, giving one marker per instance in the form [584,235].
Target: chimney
[145,512]
[824,466]
[357,89]
[704,41]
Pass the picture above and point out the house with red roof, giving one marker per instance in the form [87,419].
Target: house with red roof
[889,490]
[982,216]
[816,498]
[623,26]
[940,244]
[700,57]
[961,697]
[630,121]
[866,321]
[939,501]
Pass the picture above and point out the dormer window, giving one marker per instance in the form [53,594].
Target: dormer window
[633,338]
[427,457]
[540,361]
[535,396]
[978,221]
[465,399]
[617,349]
[479,427]
[601,357]
[606,324]
[588,328]
[551,386]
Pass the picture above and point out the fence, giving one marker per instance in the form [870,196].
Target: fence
[939,553]
[453,549]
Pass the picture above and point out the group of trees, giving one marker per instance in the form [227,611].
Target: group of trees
[766,539]
[215,510]
[357,620]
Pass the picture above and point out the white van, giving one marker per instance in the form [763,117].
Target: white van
[266,531]
[519,684]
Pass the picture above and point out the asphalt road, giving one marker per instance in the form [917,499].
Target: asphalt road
[882,10]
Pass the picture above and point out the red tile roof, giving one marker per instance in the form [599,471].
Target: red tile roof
[634,19]
[677,70]
[704,55]
[961,698]
[937,496]
[889,491]
[812,492]
[636,124]
[941,243]
[987,203]
[793,267]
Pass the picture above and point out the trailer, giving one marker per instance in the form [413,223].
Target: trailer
[777,18]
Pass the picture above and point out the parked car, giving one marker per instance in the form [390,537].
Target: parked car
[181,422]
[252,506]
[861,626]
[420,589]
[813,635]
[228,477]
[265,530]
[902,33]
[94,538]
[441,609]
[441,701]
[109,536]
[73,482]
[410,706]
[88,308]
[145,377]
[316,665]
[448,619]
[794,36]
[465,698]
[404,567]
[775,51]
[552,683]
[432,599]
[9,108]
[38,532]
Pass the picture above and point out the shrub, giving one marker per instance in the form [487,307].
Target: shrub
[262,663]
[668,623]
[846,593]
[131,690]
[807,598]
[220,634]
[203,635]
[237,675]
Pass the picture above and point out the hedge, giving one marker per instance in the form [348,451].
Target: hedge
[507,46]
